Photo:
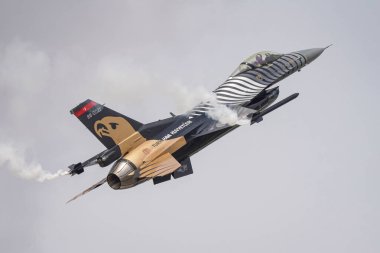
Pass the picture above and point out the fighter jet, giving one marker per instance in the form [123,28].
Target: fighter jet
[162,149]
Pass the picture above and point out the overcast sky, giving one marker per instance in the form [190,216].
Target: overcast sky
[306,179]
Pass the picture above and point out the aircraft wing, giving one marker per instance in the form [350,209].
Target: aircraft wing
[185,170]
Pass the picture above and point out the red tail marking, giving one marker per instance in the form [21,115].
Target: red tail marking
[84,109]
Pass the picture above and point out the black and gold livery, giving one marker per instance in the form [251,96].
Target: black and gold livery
[162,149]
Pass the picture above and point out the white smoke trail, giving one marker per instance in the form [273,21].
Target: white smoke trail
[14,160]
[187,99]
[228,115]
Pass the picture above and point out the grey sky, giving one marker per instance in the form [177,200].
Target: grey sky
[306,179]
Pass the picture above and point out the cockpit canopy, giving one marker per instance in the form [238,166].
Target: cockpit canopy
[256,60]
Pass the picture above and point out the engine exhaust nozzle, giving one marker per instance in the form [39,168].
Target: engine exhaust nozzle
[122,175]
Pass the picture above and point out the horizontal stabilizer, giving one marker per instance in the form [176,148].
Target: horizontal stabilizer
[184,170]
[161,166]
[89,189]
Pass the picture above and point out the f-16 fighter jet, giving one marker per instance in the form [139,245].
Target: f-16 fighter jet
[162,149]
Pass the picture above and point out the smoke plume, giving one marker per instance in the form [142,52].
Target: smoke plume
[14,160]
[186,99]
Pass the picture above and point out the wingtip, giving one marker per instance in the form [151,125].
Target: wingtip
[69,201]
[88,190]
[328,46]
[74,198]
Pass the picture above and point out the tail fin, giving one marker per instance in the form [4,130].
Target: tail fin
[108,126]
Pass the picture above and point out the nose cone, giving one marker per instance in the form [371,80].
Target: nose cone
[311,54]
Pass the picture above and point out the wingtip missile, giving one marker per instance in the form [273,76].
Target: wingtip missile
[75,169]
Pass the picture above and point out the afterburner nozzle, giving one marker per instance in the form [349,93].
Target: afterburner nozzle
[122,175]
